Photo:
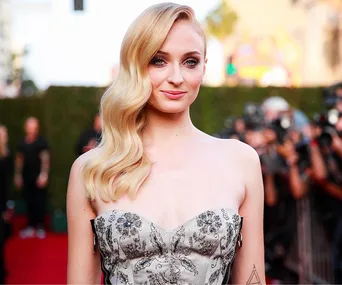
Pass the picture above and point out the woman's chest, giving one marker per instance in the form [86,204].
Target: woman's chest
[193,176]
[180,186]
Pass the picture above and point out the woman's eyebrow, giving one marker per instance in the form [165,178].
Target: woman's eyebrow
[163,53]
[192,53]
[195,52]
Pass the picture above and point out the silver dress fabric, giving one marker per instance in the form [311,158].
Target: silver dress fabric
[137,251]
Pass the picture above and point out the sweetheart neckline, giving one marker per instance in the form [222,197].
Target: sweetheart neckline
[162,228]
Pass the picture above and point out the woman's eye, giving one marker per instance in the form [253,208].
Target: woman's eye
[191,62]
[158,61]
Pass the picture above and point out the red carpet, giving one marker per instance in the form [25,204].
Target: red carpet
[36,261]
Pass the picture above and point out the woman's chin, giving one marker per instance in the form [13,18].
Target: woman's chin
[172,107]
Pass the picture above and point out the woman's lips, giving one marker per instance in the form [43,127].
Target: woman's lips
[172,94]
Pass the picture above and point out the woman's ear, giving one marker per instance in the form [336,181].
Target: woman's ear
[205,66]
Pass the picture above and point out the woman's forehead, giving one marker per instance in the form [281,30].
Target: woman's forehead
[183,38]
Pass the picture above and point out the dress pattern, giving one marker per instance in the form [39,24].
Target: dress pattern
[136,251]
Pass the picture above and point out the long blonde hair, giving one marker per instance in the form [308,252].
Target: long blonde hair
[120,165]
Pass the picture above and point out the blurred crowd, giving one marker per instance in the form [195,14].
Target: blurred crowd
[301,161]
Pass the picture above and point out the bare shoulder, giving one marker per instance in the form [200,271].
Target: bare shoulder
[76,176]
[81,160]
[236,145]
[239,151]
[248,161]
[76,194]
[243,157]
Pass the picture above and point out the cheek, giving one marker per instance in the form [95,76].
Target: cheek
[193,78]
[156,77]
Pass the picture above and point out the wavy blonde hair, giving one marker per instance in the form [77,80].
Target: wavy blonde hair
[120,165]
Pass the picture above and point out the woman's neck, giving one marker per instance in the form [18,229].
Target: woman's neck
[167,129]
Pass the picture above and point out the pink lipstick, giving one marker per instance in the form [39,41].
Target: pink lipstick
[173,94]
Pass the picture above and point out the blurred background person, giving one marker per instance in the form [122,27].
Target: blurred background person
[90,137]
[6,169]
[32,167]
[239,128]
[329,189]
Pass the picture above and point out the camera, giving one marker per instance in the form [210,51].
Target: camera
[253,116]
[326,121]
[281,125]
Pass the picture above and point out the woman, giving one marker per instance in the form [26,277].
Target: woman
[166,200]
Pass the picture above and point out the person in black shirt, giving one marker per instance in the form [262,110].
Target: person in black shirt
[6,169]
[90,137]
[31,175]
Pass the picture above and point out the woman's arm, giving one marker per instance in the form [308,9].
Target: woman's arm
[84,266]
[249,264]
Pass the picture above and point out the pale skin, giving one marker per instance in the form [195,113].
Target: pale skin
[192,172]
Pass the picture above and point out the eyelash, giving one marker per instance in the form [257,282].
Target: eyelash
[159,62]
[193,62]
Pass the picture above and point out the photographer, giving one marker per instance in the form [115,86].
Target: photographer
[284,137]
[330,189]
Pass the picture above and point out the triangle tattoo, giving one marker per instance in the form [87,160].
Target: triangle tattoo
[254,278]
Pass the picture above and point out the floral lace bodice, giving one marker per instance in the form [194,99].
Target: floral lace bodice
[137,251]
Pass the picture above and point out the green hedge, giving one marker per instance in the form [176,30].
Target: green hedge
[65,112]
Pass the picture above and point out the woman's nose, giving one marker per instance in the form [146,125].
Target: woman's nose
[176,76]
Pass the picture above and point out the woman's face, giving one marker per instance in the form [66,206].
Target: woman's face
[177,70]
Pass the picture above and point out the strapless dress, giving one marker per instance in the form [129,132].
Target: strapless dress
[136,251]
